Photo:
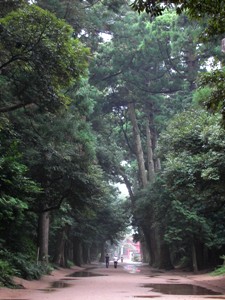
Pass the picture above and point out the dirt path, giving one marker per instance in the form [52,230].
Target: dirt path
[125,282]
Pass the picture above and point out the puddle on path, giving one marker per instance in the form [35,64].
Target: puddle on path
[48,290]
[180,289]
[84,274]
[215,298]
[55,285]
[149,297]
[132,268]
[59,284]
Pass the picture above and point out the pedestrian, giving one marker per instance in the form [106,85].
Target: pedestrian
[115,261]
[107,260]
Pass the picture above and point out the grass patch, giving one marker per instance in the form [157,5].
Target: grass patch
[219,271]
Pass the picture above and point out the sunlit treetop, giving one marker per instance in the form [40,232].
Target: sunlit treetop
[213,9]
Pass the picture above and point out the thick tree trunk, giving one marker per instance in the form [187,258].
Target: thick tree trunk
[68,251]
[157,162]
[192,64]
[145,252]
[94,252]
[164,257]
[103,252]
[43,236]
[150,161]
[59,257]
[138,146]
[77,252]
[149,233]
[194,258]
[86,253]
[152,246]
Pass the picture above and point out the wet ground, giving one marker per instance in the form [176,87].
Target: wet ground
[128,281]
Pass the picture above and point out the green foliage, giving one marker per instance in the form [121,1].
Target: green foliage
[193,147]
[214,82]
[219,270]
[196,9]
[7,6]
[18,191]
[6,273]
[28,268]
[21,265]
[32,39]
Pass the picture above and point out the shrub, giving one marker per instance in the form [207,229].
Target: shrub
[21,265]
[6,273]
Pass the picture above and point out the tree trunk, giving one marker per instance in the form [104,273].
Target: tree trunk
[192,65]
[152,245]
[77,252]
[138,146]
[68,251]
[194,258]
[59,257]
[94,251]
[164,257]
[43,236]
[86,253]
[144,251]
[150,162]
[103,252]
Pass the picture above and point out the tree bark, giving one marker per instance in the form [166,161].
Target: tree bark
[138,146]
[59,257]
[194,258]
[77,252]
[94,251]
[152,246]
[164,257]
[86,253]
[43,236]
[150,161]
[103,252]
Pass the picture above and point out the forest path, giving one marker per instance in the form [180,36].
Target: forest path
[126,282]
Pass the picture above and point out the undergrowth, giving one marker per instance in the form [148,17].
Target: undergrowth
[20,265]
[221,269]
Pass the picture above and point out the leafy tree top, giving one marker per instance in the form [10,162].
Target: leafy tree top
[39,57]
[213,9]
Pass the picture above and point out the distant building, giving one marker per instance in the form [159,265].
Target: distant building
[131,250]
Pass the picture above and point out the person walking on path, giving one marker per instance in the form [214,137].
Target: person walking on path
[107,260]
[115,261]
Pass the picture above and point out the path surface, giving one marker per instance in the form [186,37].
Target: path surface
[125,282]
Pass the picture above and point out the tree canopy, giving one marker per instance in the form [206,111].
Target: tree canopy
[32,39]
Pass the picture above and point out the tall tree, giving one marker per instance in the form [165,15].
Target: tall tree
[193,172]
[136,69]
[213,12]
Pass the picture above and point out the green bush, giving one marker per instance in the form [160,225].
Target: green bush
[6,273]
[21,265]
[69,264]
[221,269]
[28,268]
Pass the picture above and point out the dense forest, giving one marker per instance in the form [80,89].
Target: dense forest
[99,93]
